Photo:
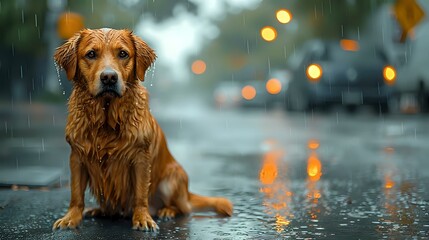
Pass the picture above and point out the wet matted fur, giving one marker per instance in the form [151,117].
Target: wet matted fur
[117,147]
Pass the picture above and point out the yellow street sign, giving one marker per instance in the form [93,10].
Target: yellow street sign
[409,14]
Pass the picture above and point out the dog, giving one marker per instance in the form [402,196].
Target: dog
[117,147]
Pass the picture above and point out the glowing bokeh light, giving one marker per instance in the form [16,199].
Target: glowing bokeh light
[268,33]
[273,86]
[314,72]
[248,92]
[283,16]
[199,67]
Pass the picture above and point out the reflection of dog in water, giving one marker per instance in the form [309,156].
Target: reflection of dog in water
[117,147]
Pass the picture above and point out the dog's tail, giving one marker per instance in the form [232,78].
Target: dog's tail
[220,205]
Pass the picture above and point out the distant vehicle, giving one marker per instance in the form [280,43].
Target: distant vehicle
[267,94]
[227,95]
[326,73]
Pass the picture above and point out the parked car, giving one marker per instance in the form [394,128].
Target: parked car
[266,93]
[325,73]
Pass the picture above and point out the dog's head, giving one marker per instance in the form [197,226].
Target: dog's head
[105,61]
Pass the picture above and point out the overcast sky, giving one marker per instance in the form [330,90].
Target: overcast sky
[185,33]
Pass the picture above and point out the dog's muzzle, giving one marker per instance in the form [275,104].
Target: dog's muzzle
[109,84]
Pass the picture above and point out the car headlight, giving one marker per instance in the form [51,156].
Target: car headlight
[389,74]
[314,72]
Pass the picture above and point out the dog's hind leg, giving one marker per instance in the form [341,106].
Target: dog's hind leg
[174,194]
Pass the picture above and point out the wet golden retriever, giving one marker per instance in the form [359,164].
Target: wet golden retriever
[117,147]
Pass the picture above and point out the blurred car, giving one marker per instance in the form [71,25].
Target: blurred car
[227,94]
[325,73]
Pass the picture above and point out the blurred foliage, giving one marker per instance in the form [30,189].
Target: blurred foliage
[123,13]
[22,25]
[240,54]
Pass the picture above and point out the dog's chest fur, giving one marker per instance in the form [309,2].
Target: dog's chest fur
[109,146]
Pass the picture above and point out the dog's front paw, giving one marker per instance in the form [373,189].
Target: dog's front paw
[71,220]
[143,221]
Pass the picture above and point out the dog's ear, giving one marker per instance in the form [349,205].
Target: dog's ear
[66,56]
[144,58]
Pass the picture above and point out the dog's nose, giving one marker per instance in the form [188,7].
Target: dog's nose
[109,77]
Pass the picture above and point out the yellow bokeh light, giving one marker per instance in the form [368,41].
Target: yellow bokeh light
[273,86]
[283,16]
[268,33]
[314,72]
[389,74]
[198,67]
[248,92]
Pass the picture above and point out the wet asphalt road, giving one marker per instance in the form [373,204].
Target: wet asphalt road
[316,175]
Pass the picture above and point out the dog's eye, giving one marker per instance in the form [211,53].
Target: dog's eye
[123,54]
[90,54]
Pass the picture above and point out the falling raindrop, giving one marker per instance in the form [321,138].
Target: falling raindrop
[5,126]
[30,97]
[358,33]
[13,50]
[28,121]
[92,6]
[64,92]
[22,16]
[53,120]
[22,74]
[43,144]
[35,20]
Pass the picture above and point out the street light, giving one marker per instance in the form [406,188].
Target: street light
[268,33]
[283,16]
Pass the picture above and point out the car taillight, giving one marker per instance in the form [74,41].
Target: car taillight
[389,74]
[273,86]
[314,72]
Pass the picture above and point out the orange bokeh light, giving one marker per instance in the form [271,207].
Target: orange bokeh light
[313,144]
[314,168]
[248,92]
[273,86]
[268,33]
[349,45]
[268,173]
[199,67]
